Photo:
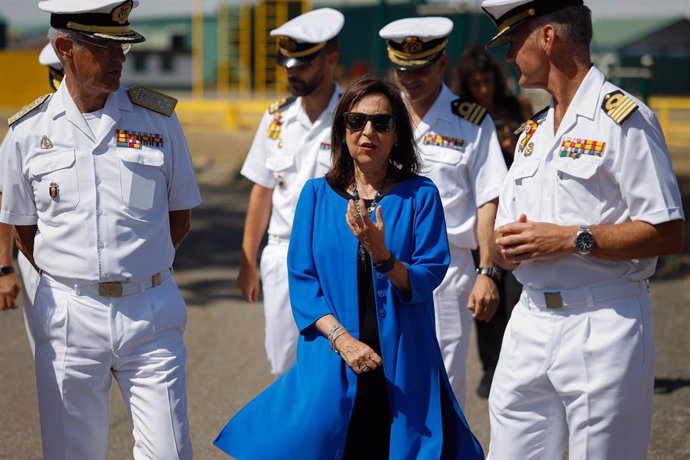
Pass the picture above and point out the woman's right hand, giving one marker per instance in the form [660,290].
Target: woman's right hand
[358,355]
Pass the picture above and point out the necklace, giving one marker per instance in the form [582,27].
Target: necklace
[370,209]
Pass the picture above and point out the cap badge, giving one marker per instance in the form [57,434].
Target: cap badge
[53,190]
[45,143]
[412,45]
[121,13]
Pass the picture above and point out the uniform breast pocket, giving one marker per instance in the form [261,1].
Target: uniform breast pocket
[141,178]
[528,188]
[55,182]
[283,168]
[577,194]
[444,167]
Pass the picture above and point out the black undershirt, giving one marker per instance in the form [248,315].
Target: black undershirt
[369,431]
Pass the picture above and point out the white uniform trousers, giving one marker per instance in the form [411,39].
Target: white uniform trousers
[454,320]
[29,278]
[581,374]
[82,341]
[281,330]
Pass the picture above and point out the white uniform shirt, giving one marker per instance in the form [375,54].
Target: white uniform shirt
[300,152]
[630,177]
[108,218]
[465,162]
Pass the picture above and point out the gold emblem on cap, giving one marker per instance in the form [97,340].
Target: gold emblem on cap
[412,45]
[121,13]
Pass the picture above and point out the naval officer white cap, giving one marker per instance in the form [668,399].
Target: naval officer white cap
[302,38]
[509,14]
[48,57]
[415,43]
[100,19]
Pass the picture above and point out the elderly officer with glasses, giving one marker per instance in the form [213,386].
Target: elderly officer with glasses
[291,146]
[590,201]
[461,154]
[99,185]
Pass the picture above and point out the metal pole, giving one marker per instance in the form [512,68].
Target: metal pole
[198,49]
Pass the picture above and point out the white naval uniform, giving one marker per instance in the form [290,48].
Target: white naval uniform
[467,177]
[300,151]
[102,215]
[583,373]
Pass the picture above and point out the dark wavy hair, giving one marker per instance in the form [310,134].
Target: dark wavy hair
[477,59]
[403,161]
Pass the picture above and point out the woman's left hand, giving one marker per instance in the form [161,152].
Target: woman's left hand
[370,234]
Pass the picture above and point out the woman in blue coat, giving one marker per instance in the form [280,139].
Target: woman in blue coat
[368,247]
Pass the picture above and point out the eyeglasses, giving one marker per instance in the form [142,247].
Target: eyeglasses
[382,122]
[109,46]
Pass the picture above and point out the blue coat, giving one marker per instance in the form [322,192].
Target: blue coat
[305,414]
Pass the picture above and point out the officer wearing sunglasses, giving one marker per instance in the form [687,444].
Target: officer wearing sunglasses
[461,154]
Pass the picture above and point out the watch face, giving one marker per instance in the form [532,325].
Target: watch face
[584,242]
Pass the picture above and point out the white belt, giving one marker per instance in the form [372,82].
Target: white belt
[273,239]
[111,288]
[587,296]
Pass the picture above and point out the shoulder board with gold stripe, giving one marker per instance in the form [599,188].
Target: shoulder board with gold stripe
[618,106]
[27,109]
[534,118]
[277,105]
[470,111]
[152,100]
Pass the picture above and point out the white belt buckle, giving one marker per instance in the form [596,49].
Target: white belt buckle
[553,300]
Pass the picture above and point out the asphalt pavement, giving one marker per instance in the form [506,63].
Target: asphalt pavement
[226,360]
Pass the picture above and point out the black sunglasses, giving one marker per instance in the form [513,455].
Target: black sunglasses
[356,121]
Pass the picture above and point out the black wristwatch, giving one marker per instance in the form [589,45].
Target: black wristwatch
[492,272]
[584,241]
[6,270]
[386,265]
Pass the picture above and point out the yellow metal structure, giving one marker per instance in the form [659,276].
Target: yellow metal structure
[247,50]
[22,79]
[674,116]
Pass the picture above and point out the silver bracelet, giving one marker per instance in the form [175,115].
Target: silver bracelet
[336,331]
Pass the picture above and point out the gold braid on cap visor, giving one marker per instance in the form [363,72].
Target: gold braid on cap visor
[299,54]
[98,29]
[508,23]
[402,58]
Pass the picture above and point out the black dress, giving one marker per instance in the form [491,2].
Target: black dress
[368,436]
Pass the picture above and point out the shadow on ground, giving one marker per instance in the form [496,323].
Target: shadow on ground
[667,386]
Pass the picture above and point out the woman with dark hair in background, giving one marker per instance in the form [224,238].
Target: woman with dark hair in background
[368,248]
[482,81]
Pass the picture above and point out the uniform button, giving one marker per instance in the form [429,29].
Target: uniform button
[379,275]
[382,313]
[98,182]
[380,293]
[100,245]
[100,213]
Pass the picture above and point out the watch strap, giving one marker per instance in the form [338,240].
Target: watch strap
[386,265]
[6,270]
[492,272]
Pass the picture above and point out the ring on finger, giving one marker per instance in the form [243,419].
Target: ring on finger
[364,368]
